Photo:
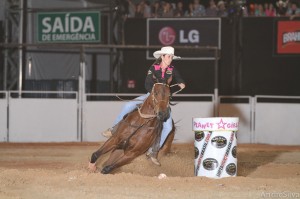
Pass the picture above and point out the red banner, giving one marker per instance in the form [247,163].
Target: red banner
[288,37]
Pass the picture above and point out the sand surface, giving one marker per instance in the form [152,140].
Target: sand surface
[59,170]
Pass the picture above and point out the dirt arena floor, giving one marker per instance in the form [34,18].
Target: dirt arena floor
[60,171]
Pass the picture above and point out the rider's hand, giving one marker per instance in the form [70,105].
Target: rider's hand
[181,85]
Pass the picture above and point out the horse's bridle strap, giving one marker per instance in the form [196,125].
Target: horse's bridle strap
[147,116]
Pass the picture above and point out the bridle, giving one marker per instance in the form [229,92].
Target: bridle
[154,101]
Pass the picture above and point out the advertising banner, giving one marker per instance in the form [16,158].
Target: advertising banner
[66,27]
[288,37]
[200,32]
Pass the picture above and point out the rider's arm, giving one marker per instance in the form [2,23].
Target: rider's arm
[177,76]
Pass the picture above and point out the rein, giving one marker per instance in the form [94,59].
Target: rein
[146,116]
[156,83]
[176,91]
[155,101]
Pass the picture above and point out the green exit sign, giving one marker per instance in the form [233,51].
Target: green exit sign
[63,27]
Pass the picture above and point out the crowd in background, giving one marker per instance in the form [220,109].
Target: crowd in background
[215,8]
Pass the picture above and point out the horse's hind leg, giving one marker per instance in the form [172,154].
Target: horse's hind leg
[168,143]
[123,160]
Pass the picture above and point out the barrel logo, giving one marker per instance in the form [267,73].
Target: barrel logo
[231,169]
[210,164]
[219,142]
[199,135]
[196,152]
[233,152]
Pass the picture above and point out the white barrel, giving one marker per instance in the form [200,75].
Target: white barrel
[215,146]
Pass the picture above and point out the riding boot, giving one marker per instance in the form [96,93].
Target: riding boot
[155,161]
[150,154]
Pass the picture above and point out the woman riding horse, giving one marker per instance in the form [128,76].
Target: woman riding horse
[161,71]
[136,132]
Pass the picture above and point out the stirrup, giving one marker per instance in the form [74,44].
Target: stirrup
[107,133]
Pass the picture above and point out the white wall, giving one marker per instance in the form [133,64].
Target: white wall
[97,117]
[277,123]
[43,120]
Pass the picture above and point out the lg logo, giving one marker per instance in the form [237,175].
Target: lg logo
[192,36]
[167,36]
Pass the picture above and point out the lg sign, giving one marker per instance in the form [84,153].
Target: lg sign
[167,36]
[188,32]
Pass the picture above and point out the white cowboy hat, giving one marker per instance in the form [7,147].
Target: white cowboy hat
[167,50]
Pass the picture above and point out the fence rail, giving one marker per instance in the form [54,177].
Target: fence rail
[56,119]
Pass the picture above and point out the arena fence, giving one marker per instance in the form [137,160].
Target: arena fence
[3,116]
[277,120]
[68,117]
[43,119]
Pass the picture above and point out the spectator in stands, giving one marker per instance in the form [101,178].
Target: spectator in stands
[167,10]
[156,9]
[147,8]
[198,9]
[270,10]
[190,11]
[211,10]
[281,8]
[139,13]
[179,11]
[131,9]
[255,9]
[251,9]
[260,12]
[222,11]
[293,10]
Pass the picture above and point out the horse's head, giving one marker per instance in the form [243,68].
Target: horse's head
[160,95]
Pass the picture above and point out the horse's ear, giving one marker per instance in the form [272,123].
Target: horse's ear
[169,80]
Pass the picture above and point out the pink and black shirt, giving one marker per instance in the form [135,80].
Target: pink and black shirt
[155,74]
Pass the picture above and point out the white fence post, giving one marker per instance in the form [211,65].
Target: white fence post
[3,116]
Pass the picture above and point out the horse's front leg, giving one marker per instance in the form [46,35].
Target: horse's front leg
[106,147]
[123,160]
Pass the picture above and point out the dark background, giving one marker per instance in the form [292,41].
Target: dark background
[248,65]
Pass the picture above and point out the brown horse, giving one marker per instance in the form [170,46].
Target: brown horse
[138,131]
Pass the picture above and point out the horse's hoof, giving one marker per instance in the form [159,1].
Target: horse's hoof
[106,170]
[92,167]
[155,161]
